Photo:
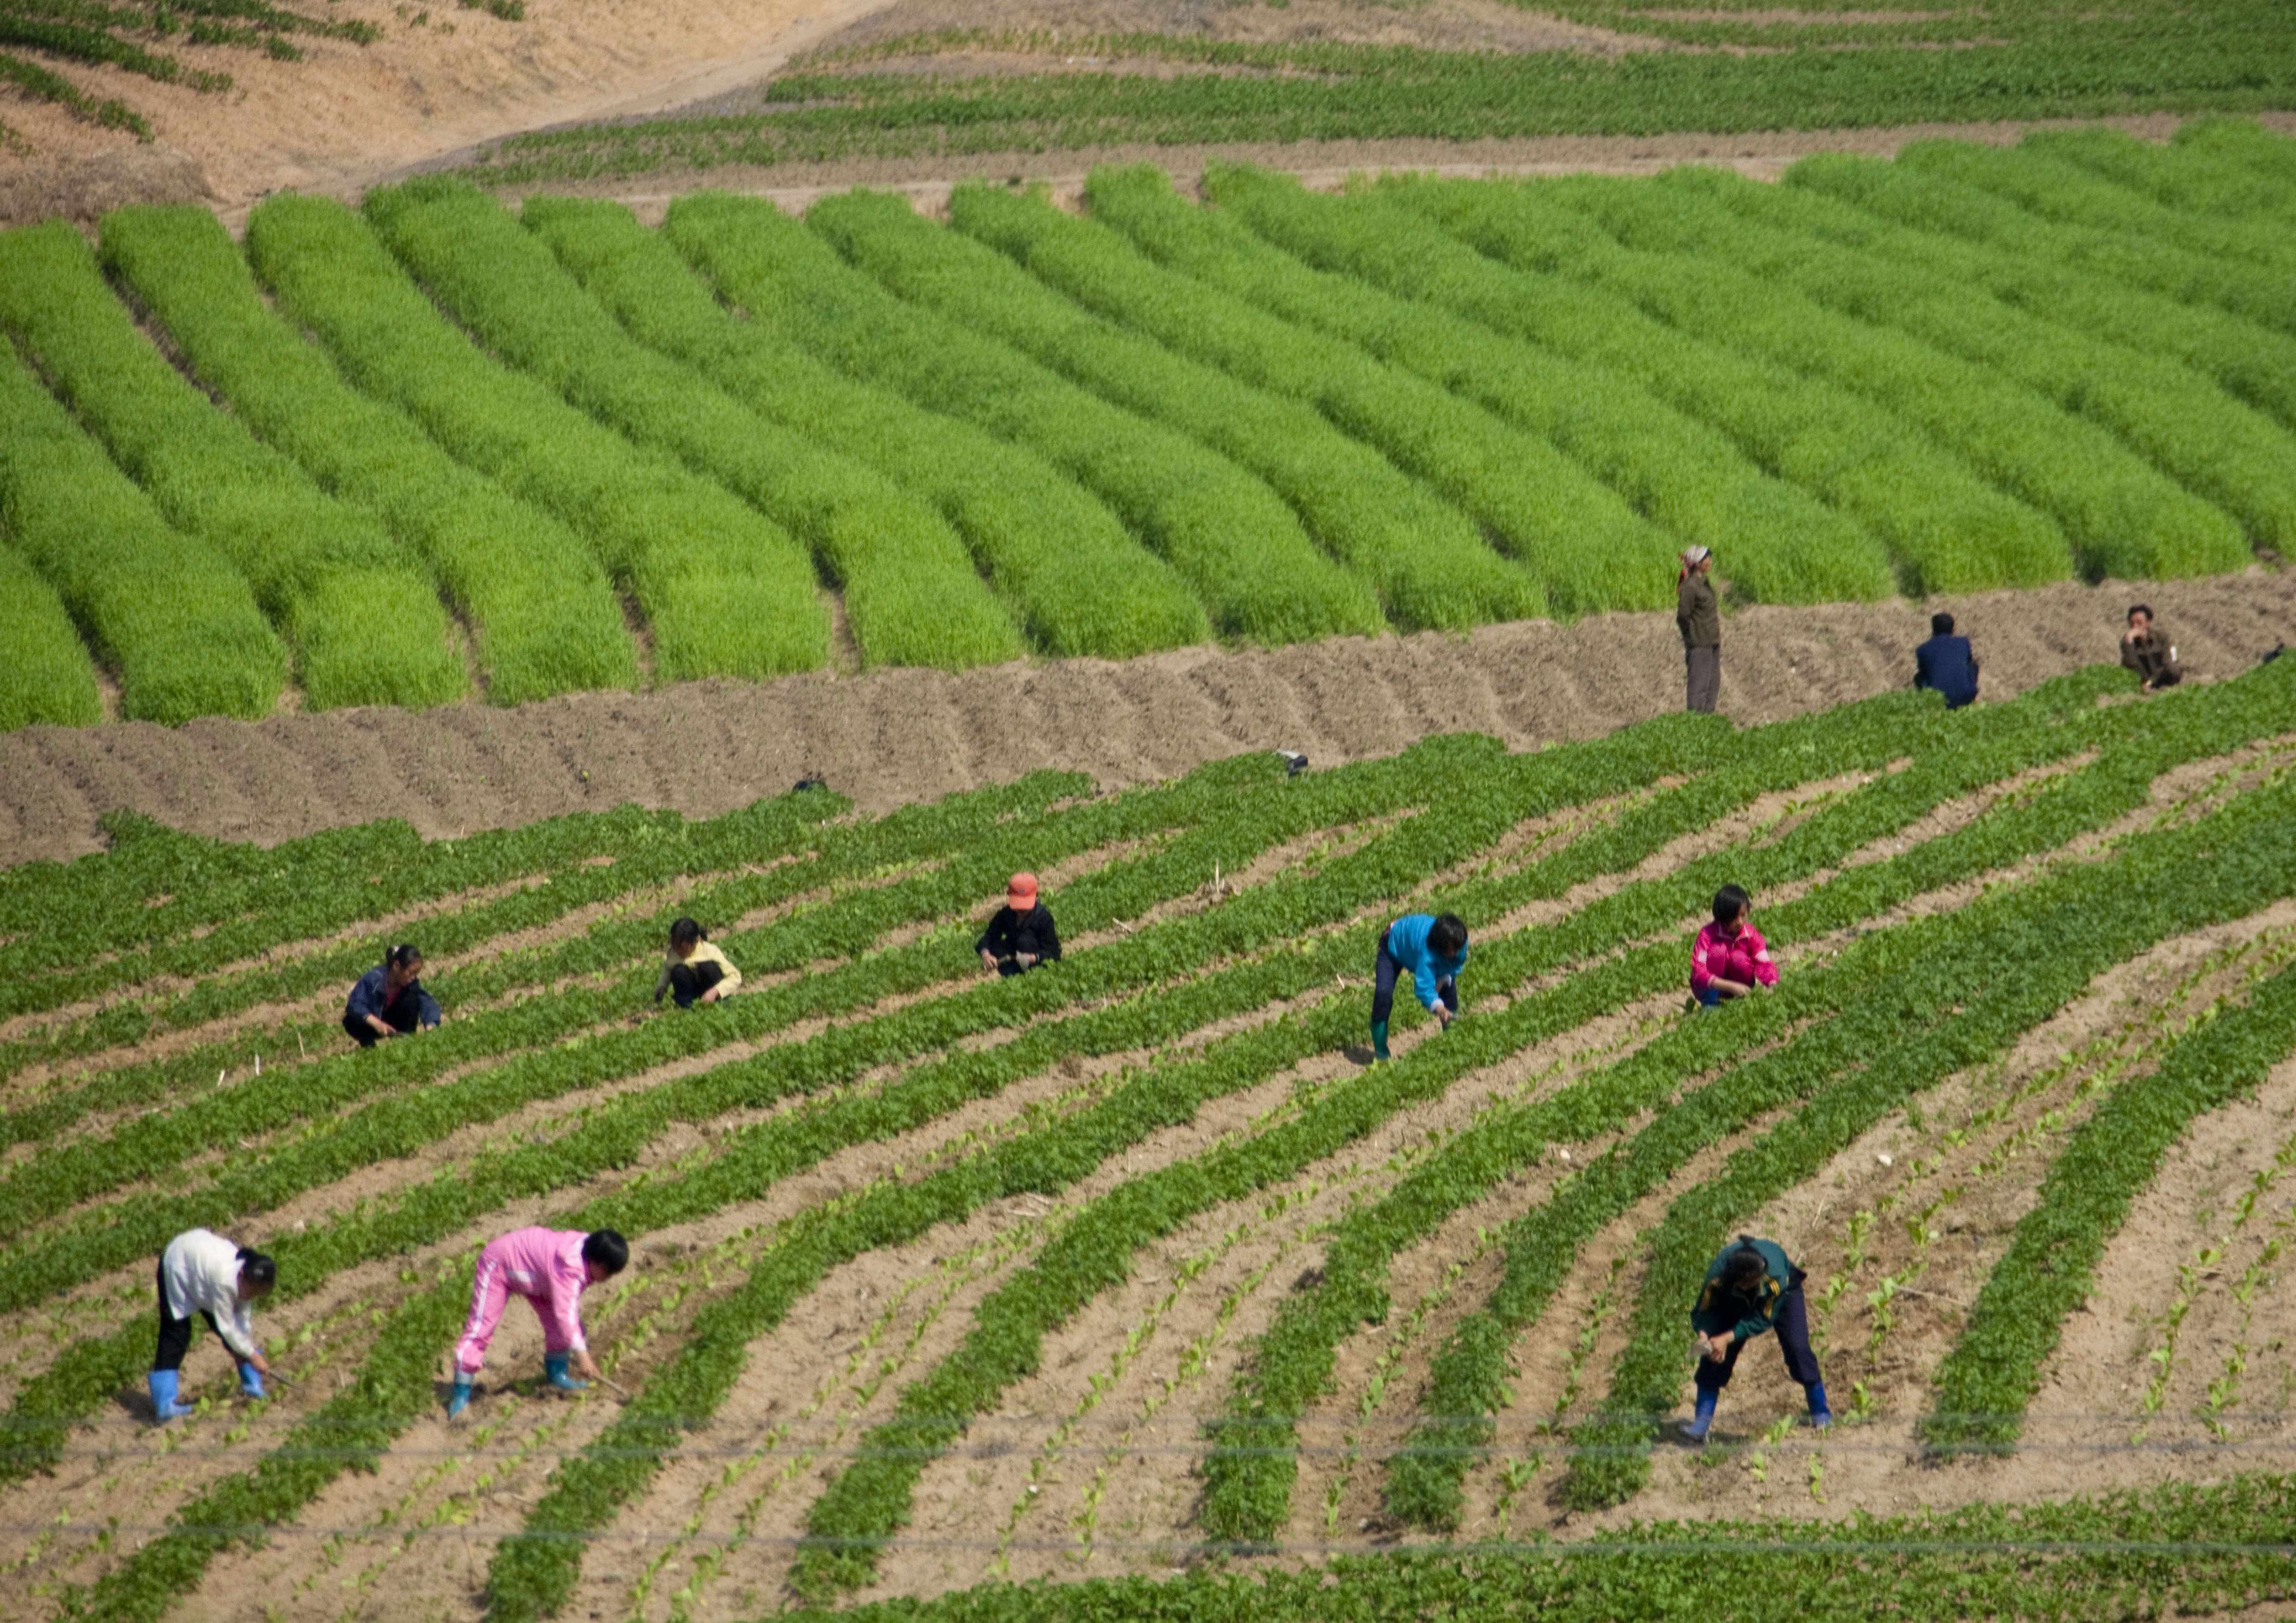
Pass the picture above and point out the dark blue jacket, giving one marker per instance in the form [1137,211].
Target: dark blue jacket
[1946,664]
[367,998]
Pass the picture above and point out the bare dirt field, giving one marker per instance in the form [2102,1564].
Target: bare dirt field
[889,737]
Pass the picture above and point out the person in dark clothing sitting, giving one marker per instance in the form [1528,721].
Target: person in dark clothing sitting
[389,1001]
[2146,649]
[1022,936]
[1946,664]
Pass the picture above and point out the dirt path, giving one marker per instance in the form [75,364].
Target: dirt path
[894,736]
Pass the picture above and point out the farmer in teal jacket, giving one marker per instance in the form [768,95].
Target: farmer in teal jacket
[1751,1288]
[1434,950]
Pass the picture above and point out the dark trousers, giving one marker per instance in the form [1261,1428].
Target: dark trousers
[1705,668]
[1790,1323]
[688,981]
[174,1334]
[1386,970]
[400,1017]
[1011,965]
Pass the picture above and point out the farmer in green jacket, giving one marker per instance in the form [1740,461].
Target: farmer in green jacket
[1751,1288]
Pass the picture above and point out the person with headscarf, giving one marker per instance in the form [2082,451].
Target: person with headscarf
[1022,936]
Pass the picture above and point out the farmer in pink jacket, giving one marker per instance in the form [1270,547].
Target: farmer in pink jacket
[550,1267]
[1730,958]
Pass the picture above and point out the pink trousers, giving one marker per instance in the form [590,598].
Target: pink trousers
[490,1293]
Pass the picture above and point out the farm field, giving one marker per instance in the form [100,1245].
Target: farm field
[433,449]
[1134,1268]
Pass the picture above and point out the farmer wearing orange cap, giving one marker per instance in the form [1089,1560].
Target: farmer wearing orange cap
[1022,936]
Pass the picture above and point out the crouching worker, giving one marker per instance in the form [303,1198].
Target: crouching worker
[1022,934]
[1730,959]
[205,1273]
[694,972]
[1751,1288]
[389,1000]
[551,1269]
[1434,949]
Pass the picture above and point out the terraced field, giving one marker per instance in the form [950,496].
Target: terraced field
[430,450]
[1134,1268]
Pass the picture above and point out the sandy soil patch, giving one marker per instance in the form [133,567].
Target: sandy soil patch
[896,736]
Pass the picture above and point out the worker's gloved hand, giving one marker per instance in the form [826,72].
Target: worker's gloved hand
[251,1380]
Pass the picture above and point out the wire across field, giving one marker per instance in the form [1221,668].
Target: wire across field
[943,1280]
[431,448]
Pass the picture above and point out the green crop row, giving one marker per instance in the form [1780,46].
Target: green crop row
[726,592]
[1949,529]
[1232,539]
[544,617]
[2206,172]
[2103,227]
[2121,515]
[1992,1371]
[167,612]
[45,84]
[1081,583]
[45,674]
[2185,426]
[2088,182]
[1586,546]
[911,591]
[1687,477]
[2233,862]
[359,610]
[1956,234]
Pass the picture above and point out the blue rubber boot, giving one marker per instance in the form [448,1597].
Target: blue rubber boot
[1820,1415]
[461,1400]
[554,1366]
[251,1380]
[1696,1427]
[1379,1040]
[164,1407]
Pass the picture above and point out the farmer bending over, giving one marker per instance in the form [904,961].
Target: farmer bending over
[694,972]
[1946,664]
[1434,949]
[205,1273]
[389,1001]
[1022,934]
[551,1269]
[1749,1288]
[2146,649]
[1730,959]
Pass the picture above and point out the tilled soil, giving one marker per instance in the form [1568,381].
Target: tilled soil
[890,737]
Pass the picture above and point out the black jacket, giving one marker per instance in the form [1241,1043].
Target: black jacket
[1010,932]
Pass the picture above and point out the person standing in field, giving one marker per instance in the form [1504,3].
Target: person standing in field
[2146,649]
[1730,959]
[1021,935]
[1698,615]
[1946,664]
[1434,949]
[203,1273]
[551,1269]
[389,1000]
[692,971]
[1751,1288]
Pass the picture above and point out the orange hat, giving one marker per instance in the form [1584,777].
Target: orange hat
[1020,892]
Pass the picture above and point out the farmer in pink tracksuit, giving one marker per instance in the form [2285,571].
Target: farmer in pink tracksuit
[550,1267]
[1730,958]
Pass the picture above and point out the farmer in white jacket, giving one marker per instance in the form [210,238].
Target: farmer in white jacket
[205,1273]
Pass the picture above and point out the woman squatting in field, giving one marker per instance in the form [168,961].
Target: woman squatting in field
[389,1000]
[694,972]
[1434,949]
[1021,935]
[203,1273]
[1729,959]
[551,1269]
